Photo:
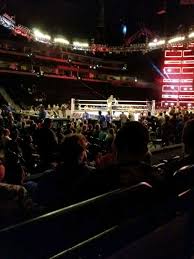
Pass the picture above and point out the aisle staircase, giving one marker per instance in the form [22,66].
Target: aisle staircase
[8,99]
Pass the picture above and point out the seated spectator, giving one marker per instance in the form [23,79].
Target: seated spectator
[68,129]
[129,169]
[14,145]
[15,173]
[2,172]
[5,138]
[110,139]
[103,134]
[28,150]
[14,203]
[188,159]
[96,132]
[60,135]
[89,131]
[103,161]
[84,130]
[47,141]
[61,186]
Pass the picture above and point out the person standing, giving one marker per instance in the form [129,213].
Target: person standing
[42,113]
[85,116]
[123,119]
[108,118]
[102,120]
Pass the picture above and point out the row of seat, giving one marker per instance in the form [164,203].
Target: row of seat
[103,225]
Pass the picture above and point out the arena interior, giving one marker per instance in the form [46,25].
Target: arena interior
[97,137]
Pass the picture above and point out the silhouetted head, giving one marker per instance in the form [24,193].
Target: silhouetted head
[188,137]
[131,141]
[73,149]
[47,123]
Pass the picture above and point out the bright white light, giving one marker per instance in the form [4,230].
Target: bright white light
[176,39]
[61,40]
[156,43]
[80,44]
[166,104]
[124,29]
[172,87]
[161,42]
[189,104]
[172,104]
[170,96]
[191,35]
[152,44]
[41,36]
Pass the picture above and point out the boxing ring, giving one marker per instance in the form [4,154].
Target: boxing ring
[92,107]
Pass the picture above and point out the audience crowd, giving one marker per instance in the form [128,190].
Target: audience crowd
[44,168]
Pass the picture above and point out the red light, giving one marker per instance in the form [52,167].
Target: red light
[172,62]
[173,54]
[188,53]
[179,68]
[172,70]
[188,62]
[188,70]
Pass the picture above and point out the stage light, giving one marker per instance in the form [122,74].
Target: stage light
[156,43]
[61,41]
[39,36]
[80,44]
[176,39]
[191,35]
[161,42]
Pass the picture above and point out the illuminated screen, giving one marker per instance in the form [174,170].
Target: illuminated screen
[178,76]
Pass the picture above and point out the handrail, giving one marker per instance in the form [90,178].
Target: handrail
[74,207]
[104,233]
[101,235]
[73,238]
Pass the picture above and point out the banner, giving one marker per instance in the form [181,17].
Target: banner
[187,2]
